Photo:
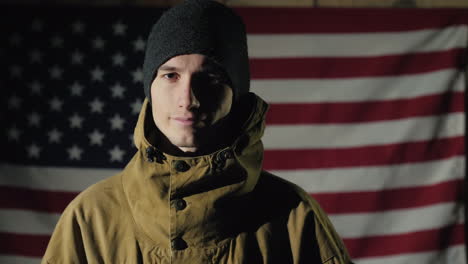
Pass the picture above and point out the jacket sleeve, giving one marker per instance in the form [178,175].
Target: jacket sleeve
[314,234]
[67,244]
[327,236]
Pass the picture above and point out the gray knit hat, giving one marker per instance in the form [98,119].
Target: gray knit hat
[203,27]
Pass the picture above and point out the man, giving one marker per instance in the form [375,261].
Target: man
[195,192]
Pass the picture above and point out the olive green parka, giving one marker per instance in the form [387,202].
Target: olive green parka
[216,208]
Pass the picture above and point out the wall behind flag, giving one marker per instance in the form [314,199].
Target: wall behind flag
[267,3]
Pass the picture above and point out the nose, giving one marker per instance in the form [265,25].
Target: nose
[187,98]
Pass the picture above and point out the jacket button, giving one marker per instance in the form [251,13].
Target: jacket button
[178,244]
[227,154]
[181,166]
[180,204]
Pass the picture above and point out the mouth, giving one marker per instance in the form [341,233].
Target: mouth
[192,120]
[186,121]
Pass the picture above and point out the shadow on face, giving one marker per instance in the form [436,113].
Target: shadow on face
[209,86]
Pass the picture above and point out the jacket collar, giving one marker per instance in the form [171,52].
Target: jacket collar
[153,180]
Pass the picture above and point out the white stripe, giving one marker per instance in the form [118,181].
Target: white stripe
[356,44]
[347,225]
[313,181]
[452,255]
[52,178]
[359,89]
[378,177]
[363,134]
[27,222]
[397,222]
[7,259]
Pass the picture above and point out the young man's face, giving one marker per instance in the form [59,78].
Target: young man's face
[189,98]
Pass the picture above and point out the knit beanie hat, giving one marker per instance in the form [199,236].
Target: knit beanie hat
[204,27]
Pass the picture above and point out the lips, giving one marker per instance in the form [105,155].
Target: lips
[187,121]
[195,121]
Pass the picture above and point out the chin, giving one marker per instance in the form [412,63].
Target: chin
[184,142]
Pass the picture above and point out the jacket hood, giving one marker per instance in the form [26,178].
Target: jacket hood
[153,180]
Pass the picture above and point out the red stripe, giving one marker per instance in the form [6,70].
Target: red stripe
[351,67]
[23,245]
[402,198]
[346,20]
[414,242]
[290,159]
[36,200]
[429,240]
[51,201]
[368,111]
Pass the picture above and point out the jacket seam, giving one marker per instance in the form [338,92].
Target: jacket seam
[330,258]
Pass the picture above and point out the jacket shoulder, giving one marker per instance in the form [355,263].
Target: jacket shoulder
[85,223]
[286,189]
[104,194]
[306,218]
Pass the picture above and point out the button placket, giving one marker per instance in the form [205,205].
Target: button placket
[178,204]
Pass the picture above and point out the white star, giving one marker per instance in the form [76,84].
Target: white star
[16,71]
[117,90]
[96,106]
[35,56]
[96,138]
[116,154]
[117,122]
[14,102]
[54,136]
[15,39]
[14,134]
[98,43]
[78,27]
[35,87]
[77,57]
[76,89]
[119,28]
[137,75]
[56,72]
[132,140]
[136,106]
[34,151]
[97,74]
[56,42]
[139,44]
[34,119]
[76,121]
[56,104]
[118,59]
[74,153]
[37,25]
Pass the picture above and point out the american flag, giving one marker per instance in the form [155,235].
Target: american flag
[367,114]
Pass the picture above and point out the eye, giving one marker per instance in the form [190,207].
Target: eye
[215,78]
[170,76]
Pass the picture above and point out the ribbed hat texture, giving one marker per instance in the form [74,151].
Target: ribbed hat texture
[203,27]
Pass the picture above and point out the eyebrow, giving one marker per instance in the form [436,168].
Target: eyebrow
[205,67]
[168,68]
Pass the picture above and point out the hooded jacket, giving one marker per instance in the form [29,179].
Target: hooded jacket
[216,208]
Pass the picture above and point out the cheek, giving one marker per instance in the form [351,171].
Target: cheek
[222,111]
[226,103]
[159,104]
